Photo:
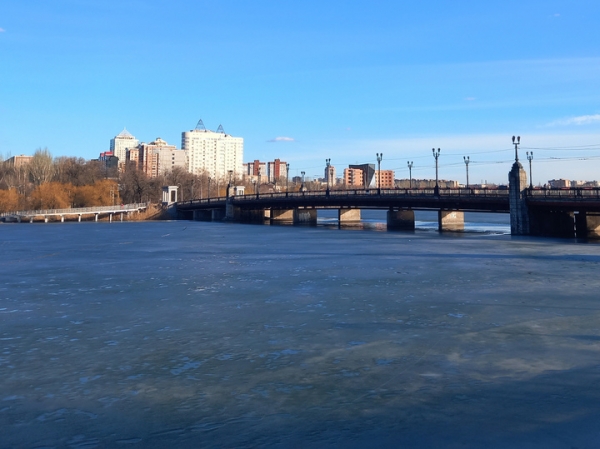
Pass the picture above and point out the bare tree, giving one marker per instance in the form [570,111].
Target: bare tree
[41,168]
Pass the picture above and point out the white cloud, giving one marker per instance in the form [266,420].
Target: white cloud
[282,139]
[2,30]
[577,121]
[470,99]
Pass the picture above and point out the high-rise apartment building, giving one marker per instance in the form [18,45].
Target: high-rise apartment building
[353,177]
[121,143]
[213,153]
[277,170]
[157,157]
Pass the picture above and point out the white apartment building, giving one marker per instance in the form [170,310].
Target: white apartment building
[121,143]
[215,153]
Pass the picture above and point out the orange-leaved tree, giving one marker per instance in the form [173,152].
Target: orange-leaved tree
[10,200]
[101,193]
[51,195]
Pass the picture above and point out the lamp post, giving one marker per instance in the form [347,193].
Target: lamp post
[328,164]
[229,183]
[287,178]
[208,194]
[467,160]
[259,176]
[379,157]
[436,155]
[530,158]
[516,144]
[302,186]
[255,191]
[410,166]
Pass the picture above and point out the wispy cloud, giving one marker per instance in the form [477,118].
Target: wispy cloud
[282,139]
[577,121]
[2,30]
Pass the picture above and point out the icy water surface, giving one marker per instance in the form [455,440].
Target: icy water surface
[187,334]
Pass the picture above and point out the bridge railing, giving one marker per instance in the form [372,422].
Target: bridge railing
[77,210]
[575,193]
[459,192]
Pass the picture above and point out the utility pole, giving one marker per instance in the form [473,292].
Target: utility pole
[467,160]
[410,166]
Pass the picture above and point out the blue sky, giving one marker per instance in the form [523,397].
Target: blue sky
[305,81]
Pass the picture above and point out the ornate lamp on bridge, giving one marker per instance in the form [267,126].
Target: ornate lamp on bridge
[379,158]
[255,190]
[530,158]
[287,177]
[467,160]
[302,186]
[410,166]
[436,155]
[516,144]
[229,183]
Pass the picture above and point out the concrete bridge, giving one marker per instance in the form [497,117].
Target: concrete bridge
[46,214]
[544,212]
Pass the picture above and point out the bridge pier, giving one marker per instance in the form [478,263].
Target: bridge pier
[587,225]
[348,215]
[305,216]
[451,220]
[519,213]
[401,220]
[110,218]
[282,215]
[62,218]
[31,219]
[95,217]
[79,218]
[45,219]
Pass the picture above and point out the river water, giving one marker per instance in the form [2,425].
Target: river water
[189,334]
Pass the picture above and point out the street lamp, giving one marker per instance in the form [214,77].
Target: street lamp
[229,183]
[379,157]
[467,160]
[436,155]
[255,191]
[287,177]
[530,158]
[328,164]
[302,186]
[208,194]
[410,166]
[516,144]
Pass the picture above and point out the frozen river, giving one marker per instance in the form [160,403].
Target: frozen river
[190,335]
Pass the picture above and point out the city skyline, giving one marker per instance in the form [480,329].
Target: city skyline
[312,82]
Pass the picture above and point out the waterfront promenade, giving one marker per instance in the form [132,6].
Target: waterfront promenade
[79,212]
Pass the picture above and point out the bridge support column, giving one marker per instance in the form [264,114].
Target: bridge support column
[348,215]
[282,215]
[31,220]
[45,219]
[519,214]
[305,216]
[587,225]
[110,218]
[401,220]
[551,223]
[62,218]
[121,216]
[79,218]
[451,220]
[95,217]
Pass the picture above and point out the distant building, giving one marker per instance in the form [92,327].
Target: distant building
[18,161]
[215,153]
[559,183]
[156,158]
[329,175]
[252,171]
[353,177]
[109,160]
[276,170]
[387,179]
[121,143]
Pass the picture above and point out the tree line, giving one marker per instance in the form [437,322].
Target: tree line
[46,182]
